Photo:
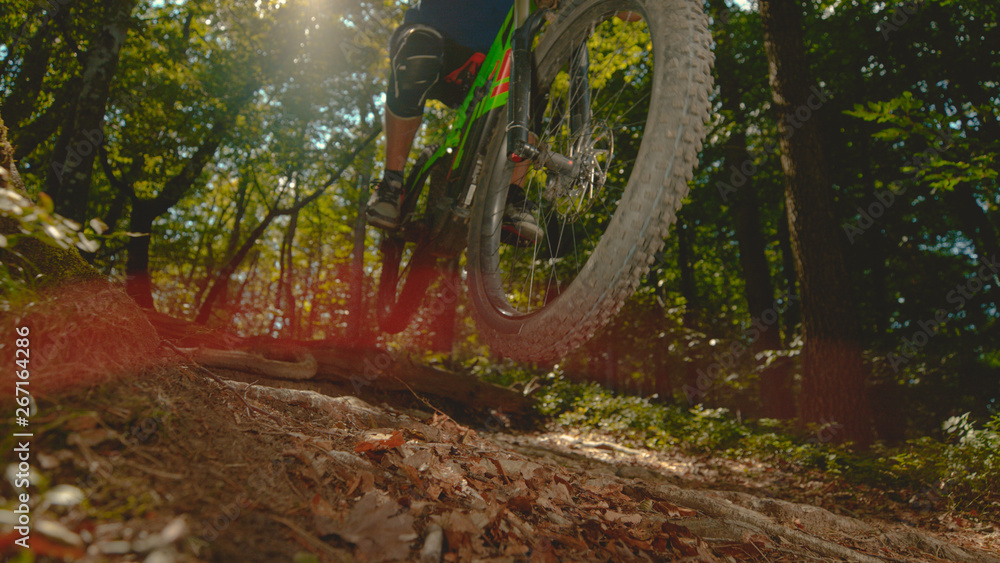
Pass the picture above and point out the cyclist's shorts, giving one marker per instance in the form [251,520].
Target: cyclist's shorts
[429,66]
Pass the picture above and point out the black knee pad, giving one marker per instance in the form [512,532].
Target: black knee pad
[416,57]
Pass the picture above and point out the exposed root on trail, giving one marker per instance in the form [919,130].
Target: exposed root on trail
[302,366]
[735,514]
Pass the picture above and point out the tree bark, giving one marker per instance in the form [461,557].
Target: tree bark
[23,99]
[691,313]
[356,299]
[286,279]
[688,286]
[75,307]
[69,177]
[138,285]
[793,315]
[777,399]
[834,372]
[146,210]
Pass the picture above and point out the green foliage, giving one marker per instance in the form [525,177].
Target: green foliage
[966,464]
[945,159]
[41,222]
[35,221]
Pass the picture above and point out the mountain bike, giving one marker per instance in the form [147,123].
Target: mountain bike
[600,108]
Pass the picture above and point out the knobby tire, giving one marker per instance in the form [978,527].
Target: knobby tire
[538,304]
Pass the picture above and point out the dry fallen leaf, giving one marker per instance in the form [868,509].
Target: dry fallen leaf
[612,516]
[557,492]
[514,467]
[377,528]
[602,486]
[380,442]
[674,511]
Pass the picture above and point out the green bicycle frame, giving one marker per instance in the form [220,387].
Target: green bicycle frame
[481,109]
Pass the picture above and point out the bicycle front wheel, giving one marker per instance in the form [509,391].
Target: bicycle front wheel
[633,120]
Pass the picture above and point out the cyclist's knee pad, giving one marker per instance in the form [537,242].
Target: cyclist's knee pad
[416,57]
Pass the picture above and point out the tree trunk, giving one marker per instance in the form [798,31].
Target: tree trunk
[834,373]
[286,279]
[138,284]
[689,291]
[74,308]
[69,177]
[23,99]
[792,316]
[356,300]
[146,210]
[688,286]
[776,395]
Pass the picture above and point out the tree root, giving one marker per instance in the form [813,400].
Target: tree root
[718,508]
[348,409]
[769,516]
[303,366]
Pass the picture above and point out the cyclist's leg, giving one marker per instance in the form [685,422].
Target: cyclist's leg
[416,54]
[520,220]
[399,135]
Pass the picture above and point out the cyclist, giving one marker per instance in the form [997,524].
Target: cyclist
[436,54]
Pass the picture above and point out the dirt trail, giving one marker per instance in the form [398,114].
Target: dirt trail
[174,466]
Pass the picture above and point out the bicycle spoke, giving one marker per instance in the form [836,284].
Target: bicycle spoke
[574,212]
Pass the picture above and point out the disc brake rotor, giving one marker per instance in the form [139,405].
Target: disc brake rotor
[573,197]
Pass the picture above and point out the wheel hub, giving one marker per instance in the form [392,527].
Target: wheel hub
[573,196]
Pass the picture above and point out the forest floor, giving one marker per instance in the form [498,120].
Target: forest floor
[175,465]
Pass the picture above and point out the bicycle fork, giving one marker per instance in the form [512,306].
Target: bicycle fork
[519,145]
